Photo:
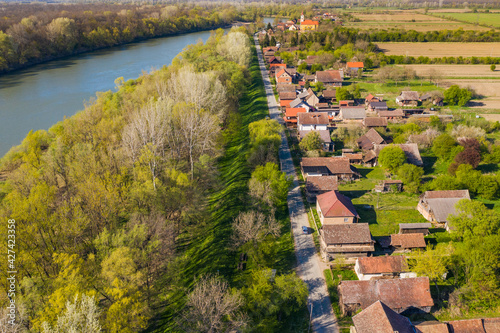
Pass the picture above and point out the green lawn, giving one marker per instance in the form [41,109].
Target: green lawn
[491,19]
[332,281]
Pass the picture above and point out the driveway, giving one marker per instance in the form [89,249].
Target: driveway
[309,267]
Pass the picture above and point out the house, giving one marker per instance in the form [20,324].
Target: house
[401,295]
[408,241]
[436,206]
[369,139]
[431,327]
[393,115]
[466,326]
[335,208]
[312,121]
[346,240]
[287,95]
[410,149]
[329,95]
[389,185]
[354,158]
[346,103]
[370,98]
[291,115]
[352,67]
[294,27]
[276,67]
[407,98]
[309,78]
[275,61]
[311,60]
[436,100]
[414,228]
[285,87]
[328,166]
[352,112]
[319,185]
[283,76]
[370,122]
[311,98]
[377,106]
[308,25]
[330,78]
[384,266]
[300,103]
[324,136]
[492,325]
[380,318]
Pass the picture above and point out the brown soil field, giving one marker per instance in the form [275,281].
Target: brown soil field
[407,17]
[442,49]
[482,71]
[491,116]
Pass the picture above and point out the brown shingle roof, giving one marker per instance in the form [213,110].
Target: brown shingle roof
[442,203]
[466,326]
[321,183]
[367,141]
[313,118]
[491,325]
[375,122]
[395,293]
[395,113]
[285,87]
[329,93]
[431,327]
[460,194]
[408,96]
[334,204]
[352,233]
[410,149]
[408,241]
[333,165]
[288,95]
[328,76]
[353,112]
[385,264]
[379,318]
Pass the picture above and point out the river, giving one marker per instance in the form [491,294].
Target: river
[39,97]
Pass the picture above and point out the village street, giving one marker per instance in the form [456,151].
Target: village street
[309,266]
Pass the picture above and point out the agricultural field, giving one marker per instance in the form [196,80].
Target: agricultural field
[490,19]
[457,71]
[408,21]
[439,50]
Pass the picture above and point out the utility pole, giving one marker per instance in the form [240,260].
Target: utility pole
[310,318]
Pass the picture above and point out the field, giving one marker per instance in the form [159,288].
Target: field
[457,71]
[407,21]
[438,50]
[490,19]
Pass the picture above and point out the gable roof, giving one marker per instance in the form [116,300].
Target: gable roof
[321,183]
[408,96]
[355,64]
[331,165]
[287,95]
[350,233]
[375,122]
[442,203]
[369,139]
[395,113]
[378,105]
[309,22]
[329,94]
[408,241]
[395,293]
[379,318]
[323,134]
[313,118]
[293,112]
[296,102]
[285,87]
[410,149]
[335,204]
[492,325]
[329,76]
[384,264]
[353,112]
[371,98]
[303,94]
[431,327]
[285,102]
[466,326]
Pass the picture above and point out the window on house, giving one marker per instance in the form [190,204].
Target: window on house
[346,219]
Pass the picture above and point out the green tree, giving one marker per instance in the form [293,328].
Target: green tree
[391,158]
[312,141]
[270,185]
[343,94]
[411,176]
[474,219]
[444,147]
[431,263]
[454,95]
[493,67]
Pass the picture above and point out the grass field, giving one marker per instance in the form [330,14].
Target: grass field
[407,21]
[438,50]
[490,19]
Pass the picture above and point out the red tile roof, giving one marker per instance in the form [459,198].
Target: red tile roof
[277,65]
[313,118]
[385,264]
[309,22]
[285,103]
[432,327]
[293,112]
[329,76]
[466,326]
[322,183]
[408,241]
[335,204]
[375,122]
[395,293]
[491,325]
[357,64]
[287,95]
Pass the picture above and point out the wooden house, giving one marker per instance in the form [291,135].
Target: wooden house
[352,240]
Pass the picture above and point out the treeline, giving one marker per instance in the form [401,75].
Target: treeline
[30,34]
[400,59]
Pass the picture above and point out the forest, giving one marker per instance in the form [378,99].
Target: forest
[160,206]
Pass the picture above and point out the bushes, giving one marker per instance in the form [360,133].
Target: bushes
[455,95]
[391,158]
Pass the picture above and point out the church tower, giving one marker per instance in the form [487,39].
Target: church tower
[302,17]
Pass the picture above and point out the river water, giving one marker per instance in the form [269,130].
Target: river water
[38,97]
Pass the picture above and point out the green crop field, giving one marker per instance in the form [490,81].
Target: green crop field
[491,19]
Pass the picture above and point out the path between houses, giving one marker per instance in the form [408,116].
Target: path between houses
[309,266]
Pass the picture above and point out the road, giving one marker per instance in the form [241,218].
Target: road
[308,261]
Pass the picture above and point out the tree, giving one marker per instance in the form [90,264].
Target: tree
[468,156]
[493,67]
[235,46]
[269,26]
[212,307]
[454,95]
[312,141]
[444,146]
[82,315]
[343,94]
[253,227]
[269,185]
[392,157]
[411,176]
[474,219]
[431,263]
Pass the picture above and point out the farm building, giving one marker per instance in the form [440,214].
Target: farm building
[377,106]
[328,166]
[354,158]
[436,206]
[380,318]
[329,95]
[352,240]
[401,295]
[408,241]
[407,98]
[414,228]
[330,78]
[352,112]
[370,122]
[392,115]
[370,139]
[371,98]
[319,185]
[384,266]
[352,67]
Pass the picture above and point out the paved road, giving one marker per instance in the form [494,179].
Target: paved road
[309,268]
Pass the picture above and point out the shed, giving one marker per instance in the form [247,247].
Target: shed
[408,241]
[414,228]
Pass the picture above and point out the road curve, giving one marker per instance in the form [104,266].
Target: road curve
[308,261]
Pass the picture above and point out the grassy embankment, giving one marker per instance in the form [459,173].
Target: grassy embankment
[332,281]
[211,252]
